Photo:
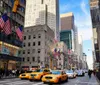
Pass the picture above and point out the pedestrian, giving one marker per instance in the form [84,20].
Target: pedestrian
[89,73]
[94,72]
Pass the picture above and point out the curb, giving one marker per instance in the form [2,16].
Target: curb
[8,78]
[97,80]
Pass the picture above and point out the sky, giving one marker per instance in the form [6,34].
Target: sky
[81,11]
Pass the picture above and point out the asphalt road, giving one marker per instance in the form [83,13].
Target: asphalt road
[77,81]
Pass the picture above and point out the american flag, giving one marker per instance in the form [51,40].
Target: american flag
[7,27]
[5,24]
[3,20]
[19,33]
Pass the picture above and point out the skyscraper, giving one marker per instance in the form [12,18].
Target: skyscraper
[67,29]
[43,12]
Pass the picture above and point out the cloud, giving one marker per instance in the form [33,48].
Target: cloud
[85,34]
[90,62]
[83,22]
[83,7]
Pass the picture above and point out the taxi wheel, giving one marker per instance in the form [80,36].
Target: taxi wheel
[41,78]
[30,80]
[67,79]
[59,81]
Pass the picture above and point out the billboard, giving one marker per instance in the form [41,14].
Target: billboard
[9,49]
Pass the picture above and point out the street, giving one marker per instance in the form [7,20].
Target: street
[77,81]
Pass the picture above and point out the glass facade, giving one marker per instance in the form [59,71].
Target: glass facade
[66,37]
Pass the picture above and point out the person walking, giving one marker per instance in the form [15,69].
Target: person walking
[89,73]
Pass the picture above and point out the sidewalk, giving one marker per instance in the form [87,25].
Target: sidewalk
[8,77]
[94,80]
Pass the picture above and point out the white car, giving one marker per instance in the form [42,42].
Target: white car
[71,74]
[80,73]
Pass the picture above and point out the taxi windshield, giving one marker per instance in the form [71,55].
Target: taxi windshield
[56,72]
[28,71]
[38,70]
[69,71]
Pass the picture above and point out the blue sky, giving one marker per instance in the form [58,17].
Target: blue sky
[81,11]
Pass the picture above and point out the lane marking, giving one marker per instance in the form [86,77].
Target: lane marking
[38,83]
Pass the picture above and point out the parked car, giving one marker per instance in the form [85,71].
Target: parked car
[57,76]
[71,74]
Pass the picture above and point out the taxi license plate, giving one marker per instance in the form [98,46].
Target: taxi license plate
[47,81]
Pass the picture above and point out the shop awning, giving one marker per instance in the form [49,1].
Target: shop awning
[8,57]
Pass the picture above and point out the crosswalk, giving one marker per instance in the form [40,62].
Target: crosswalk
[19,82]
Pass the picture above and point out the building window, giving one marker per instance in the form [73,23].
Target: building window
[24,37]
[23,51]
[27,30]
[42,2]
[39,43]
[28,59]
[28,51]
[34,36]
[39,36]
[39,50]
[33,43]
[38,59]
[33,51]
[29,37]
[33,58]
[29,44]
[23,59]
[24,44]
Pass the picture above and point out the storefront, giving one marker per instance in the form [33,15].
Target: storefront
[9,62]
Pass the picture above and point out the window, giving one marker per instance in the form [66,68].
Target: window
[39,36]
[38,59]
[39,43]
[28,51]
[28,59]
[24,37]
[42,1]
[24,44]
[39,50]
[33,51]
[29,44]
[23,51]
[33,58]
[34,36]
[33,43]
[29,37]
[27,30]
[23,59]
[19,52]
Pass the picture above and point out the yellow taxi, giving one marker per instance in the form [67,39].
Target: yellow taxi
[25,75]
[56,76]
[38,74]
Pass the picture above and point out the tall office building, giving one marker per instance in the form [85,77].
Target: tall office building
[95,16]
[10,57]
[41,12]
[68,30]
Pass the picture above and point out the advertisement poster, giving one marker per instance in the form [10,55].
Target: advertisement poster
[9,50]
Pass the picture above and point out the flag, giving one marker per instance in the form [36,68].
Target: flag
[19,33]
[55,41]
[7,27]
[3,19]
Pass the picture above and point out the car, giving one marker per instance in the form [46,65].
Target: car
[56,76]
[38,74]
[25,75]
[71,74]
[80,73]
